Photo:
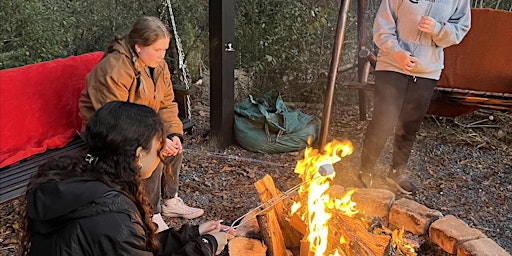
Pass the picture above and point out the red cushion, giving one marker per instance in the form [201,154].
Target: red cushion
[39,105]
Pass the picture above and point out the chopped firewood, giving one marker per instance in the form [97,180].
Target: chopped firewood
[249,228]
[349,236]
[298,224]
[271,234]
[357,239]
[304,247]
[267,191]
[242,246]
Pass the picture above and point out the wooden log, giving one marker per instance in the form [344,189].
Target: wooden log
[249,228]
[304,247]
[242,246]
[349,236]
[357,239]
[271,234]
[299,225]
[267,191]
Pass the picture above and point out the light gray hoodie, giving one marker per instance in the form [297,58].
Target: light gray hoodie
[395,28]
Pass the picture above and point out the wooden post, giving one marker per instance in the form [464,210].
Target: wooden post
[222,74]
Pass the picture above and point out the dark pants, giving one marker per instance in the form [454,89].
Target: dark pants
[400,104]
[163,183]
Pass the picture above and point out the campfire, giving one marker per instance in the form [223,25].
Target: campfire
[333,224]
[320,222]
[319,206]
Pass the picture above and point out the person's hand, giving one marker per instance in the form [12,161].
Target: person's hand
[215,226]
[406,61]
[172,147]
[427,24]
[222,240]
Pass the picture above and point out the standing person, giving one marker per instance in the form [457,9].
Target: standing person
[133,69]
[411,35]
[94,204]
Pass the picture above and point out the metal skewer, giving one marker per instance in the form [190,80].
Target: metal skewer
[323,170]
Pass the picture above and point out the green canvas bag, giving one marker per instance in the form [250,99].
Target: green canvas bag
[265,125]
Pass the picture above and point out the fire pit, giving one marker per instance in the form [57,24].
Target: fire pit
[326,219]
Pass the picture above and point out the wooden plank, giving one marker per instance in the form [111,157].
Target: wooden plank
[366,86]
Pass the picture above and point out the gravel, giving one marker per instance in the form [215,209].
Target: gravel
[462,166]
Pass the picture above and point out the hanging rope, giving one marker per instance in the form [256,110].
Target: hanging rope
[181,57]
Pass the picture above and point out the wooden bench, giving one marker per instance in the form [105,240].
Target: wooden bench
[40,116]
[477,71]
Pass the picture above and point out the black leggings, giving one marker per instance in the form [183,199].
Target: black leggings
[400,103]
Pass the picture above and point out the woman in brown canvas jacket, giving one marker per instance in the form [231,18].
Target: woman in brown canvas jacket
[133,69]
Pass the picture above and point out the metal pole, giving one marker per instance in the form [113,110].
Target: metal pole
[363,65]
[336,53]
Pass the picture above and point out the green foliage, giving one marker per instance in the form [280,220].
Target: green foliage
[41,30]
[280,44]
[284,42]
[191,19]
[493,4]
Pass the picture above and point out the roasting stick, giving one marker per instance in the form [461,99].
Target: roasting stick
[323,170]
[234,157]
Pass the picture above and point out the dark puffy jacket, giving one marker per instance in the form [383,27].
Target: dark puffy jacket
[83,216]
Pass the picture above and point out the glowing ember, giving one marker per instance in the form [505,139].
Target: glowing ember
[402,245]
[319,206]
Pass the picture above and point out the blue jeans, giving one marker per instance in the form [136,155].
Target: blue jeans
[163,183]
[400,104]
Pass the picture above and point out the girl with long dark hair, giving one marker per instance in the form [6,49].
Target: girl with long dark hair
[94,204]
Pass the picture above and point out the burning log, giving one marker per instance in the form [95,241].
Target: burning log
[357,239]
[298,224]
[348,236]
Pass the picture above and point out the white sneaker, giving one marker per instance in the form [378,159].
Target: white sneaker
[175,207]
[159,221]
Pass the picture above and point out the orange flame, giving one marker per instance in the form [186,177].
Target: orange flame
[402,245]
[319,206]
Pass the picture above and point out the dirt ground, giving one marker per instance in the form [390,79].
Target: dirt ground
[462,166]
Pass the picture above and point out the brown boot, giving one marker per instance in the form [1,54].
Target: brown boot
[400,179]
[371,180]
